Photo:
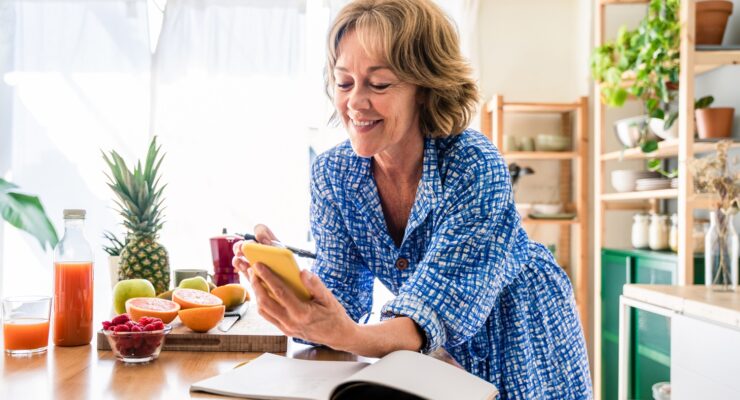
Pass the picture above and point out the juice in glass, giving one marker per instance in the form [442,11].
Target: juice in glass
[73,303]
[26,334]
[26,324]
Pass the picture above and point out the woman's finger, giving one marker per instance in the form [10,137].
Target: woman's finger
[265,301]
[263,234]
[284,294]
[237,248]
[315,287]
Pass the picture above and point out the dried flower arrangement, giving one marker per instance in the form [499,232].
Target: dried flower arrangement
[716,175]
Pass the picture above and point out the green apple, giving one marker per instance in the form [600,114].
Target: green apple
[128,289]
[196,282]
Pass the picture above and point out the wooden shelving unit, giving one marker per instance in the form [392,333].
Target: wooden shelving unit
[692,63]
[574,123]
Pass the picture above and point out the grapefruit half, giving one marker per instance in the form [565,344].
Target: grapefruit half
[191,298]
[152,307]
[202,319]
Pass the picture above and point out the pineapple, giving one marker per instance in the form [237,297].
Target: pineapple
[140,204]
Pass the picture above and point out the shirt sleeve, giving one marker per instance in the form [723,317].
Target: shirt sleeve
[338,261]
[464,269]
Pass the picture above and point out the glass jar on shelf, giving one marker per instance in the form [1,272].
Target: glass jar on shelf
[640,231]
[673,235]
[658,232]
[721,252]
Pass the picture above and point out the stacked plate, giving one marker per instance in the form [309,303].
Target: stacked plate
[625,180]
[652,184]
[674,183]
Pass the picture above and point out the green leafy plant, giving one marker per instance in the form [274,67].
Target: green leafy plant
[25,212]
[643,62]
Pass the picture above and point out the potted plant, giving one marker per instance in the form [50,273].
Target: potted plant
[114,248]
[711,20]
[714,122]
[25,212]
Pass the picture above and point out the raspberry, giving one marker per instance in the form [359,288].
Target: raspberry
[122,328]
[151,327]
[144,321]
[137,328]
[159,325]
[106,325]
[131,324]
[120,319]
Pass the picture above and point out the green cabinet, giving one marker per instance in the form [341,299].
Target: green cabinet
[650,347]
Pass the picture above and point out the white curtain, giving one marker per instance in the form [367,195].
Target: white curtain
[232,109]
[75,79]
[230,90]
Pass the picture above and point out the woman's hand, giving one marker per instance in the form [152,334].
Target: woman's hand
[264,235]
[320,320]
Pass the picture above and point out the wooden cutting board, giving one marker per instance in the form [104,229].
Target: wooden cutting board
[251,333]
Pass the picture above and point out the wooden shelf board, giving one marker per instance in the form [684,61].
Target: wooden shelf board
[535,107]
[550,221]
[539,155]
[606,2]
[644,195]
[666,148]
[716,58]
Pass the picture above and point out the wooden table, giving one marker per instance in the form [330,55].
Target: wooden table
[85,373]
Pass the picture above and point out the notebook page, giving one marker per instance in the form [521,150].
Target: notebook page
[276,377]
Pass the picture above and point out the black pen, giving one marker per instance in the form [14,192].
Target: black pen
[298,252]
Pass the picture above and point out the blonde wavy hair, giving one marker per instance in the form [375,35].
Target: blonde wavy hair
[420,45]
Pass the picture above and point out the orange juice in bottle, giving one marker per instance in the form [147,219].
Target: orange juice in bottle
[73,284]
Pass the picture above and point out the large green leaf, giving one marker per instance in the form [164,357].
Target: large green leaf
[26,213]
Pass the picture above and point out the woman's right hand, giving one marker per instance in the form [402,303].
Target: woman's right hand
[264,235]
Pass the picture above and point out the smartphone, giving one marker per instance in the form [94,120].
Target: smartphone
[281,262]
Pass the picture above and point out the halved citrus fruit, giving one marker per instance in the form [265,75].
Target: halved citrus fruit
[152,307]
[233,294]
[191,298]
[202,319]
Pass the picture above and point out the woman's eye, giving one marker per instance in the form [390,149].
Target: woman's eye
[344,85]
[381,86]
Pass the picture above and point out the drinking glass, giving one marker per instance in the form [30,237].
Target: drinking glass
[26,324]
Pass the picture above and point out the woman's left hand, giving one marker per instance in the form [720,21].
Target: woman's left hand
[320,320]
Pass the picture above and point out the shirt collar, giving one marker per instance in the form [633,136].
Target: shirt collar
[367,199]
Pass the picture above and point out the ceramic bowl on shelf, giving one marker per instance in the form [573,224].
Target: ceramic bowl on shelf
[627,130]
[547,209]
[625,180]
[523,209]
[546,142]
[657,126]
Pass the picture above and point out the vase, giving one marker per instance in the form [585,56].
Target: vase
[721,252]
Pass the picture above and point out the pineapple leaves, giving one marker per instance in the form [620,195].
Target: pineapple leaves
[139,193]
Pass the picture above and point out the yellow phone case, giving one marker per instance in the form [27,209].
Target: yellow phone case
[281,262]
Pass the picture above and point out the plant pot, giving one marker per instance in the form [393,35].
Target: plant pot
[657,127]
[711,20]
[714,122]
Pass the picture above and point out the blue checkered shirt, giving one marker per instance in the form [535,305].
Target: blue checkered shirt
[474,282]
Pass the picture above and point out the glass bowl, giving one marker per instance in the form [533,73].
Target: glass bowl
[137,347]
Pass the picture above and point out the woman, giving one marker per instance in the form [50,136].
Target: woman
[425,206]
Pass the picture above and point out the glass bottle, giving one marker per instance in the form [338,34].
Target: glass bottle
[721,252]
[673,236]
[73,284]
[658,237]
[640,231]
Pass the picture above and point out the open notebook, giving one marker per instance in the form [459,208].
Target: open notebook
[400,375]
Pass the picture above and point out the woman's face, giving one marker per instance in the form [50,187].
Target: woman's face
[380,113]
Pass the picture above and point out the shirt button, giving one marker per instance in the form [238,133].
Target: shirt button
[402,263]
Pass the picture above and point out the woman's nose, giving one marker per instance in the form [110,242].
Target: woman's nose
[358,99]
